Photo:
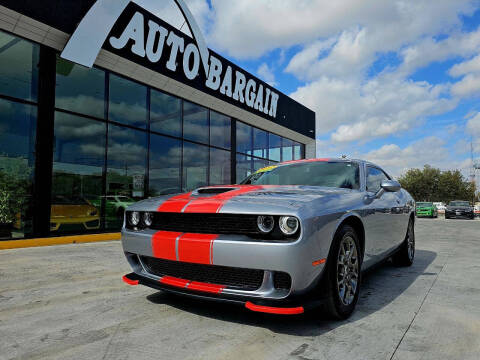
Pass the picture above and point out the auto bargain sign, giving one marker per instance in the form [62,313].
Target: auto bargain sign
[125,28]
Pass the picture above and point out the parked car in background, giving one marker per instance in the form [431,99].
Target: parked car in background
[288,238]
[115,205]
[476,209]
[73,214]
[459,209]
[426,209]
[440,207]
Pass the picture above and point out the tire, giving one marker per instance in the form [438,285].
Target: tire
[341,300]
[406,254]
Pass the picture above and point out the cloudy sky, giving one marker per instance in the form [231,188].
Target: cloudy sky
[393,81]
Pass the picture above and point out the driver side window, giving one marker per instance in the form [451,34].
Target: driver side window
[374,179]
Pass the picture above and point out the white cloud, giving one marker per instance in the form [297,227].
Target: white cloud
[266,74]
[380,107]
[250,28]
[469,85]
[428,151]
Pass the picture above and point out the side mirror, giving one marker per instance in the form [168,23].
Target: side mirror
[391,185]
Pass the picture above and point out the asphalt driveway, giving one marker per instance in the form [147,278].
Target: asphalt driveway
[68,302]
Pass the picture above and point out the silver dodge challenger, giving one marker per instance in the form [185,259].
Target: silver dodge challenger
[289,238]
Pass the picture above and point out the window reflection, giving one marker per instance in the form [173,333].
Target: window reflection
[165,163]
[220,167]
[165,114]
[275,143]
[18,67]
[297,151]
[260,164]
[126,166]
[220,130]
[260,143]
[244,138]
[244,167]
[287,150]
[78,162]
[17,161]
[80,89]
[128,102]
[195,166]
[195,122]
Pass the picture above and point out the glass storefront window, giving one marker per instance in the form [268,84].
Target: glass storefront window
[287,150]
[128,102]
[244,138]
[195,166]
[80,89]
[18,67]
[275,144]
[126,166]
[220,130]
[220,167]
[165,114]
[244,167]
[297,151]
[17,161]
[195,122]
[260,164]
[165,164]
[260,143]
[78,163]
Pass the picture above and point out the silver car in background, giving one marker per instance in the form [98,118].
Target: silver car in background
[291,237]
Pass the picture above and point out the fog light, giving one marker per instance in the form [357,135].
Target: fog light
[265,224]
[134,218]
[148,219]
[289,225]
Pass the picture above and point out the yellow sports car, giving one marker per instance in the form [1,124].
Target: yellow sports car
[70,214]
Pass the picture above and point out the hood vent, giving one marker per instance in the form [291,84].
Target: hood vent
[213,191]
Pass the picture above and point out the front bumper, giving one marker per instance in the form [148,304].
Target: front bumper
[297,259]
[294,306]
[425,213]
[459,214]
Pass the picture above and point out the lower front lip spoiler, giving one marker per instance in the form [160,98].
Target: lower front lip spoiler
[134,279]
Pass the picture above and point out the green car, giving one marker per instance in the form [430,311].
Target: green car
[426,209]
[115,205]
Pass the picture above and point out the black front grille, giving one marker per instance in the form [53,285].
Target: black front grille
[206,223]
[282,280]
[242,279]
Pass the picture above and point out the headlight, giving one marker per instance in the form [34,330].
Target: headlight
[148,219]
[265,224]
[289,225]
[134,218]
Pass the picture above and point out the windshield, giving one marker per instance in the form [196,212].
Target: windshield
[74,200]
[328,174]
[459,203]
[424,204]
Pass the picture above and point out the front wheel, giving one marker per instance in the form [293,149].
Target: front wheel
[406,253]
[343,274]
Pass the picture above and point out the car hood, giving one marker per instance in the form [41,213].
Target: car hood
[270,199]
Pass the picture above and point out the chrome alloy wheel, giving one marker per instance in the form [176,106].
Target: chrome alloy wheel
[347,270]
[410,244]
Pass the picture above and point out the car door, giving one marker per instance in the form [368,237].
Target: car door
[385,215]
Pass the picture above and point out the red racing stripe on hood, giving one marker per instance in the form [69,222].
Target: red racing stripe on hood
[175,204]
[163,245]
[214,204]
[196,248]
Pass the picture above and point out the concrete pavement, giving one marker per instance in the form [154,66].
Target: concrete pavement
[68,302]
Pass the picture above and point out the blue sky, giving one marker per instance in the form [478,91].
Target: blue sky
[396,82]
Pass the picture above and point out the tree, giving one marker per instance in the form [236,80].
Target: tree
[432,184]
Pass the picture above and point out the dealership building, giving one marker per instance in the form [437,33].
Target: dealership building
[103,103]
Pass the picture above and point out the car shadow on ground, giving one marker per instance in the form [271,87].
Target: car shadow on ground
[380,287]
